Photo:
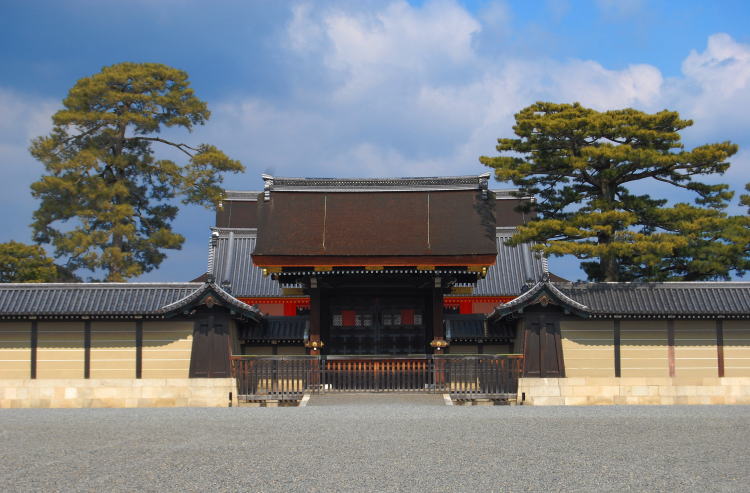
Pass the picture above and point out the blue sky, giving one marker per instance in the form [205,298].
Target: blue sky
[374,88]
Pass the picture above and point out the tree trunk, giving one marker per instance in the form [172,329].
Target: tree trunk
[609,268]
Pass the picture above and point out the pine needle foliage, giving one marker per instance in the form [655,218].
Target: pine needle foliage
[582,165]
[106,201]
[20,262]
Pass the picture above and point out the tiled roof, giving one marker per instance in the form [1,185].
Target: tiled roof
[90,298]
[514,267]
[104,299]
[639,300]
[278,329]
[245,278]
[464,326]
[730,299]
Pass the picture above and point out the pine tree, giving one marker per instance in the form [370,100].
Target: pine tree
[582,164]
[107,202]
[25,263]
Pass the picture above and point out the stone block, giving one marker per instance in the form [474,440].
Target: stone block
[690,390]
[635,390]
[576,401]
[574,381]
[601,400]
[545,401]
[546,390]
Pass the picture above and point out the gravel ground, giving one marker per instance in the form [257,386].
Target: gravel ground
[394,446]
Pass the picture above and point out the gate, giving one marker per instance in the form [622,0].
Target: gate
[463,377]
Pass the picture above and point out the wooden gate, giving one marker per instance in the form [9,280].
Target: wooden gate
[542,346]
[461,376]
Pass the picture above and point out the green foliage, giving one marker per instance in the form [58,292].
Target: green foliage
[106,202]
[25,263]
[579,163]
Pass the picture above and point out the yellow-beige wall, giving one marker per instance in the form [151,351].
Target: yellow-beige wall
[737,348]
[166,348]
[643,348]
[15,349]
[113,349]
[588,348]
[60,352]
[695,351]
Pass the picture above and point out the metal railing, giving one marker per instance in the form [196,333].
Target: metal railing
[462,376]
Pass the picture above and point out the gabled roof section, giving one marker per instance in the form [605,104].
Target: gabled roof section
[210,295]
[542,293]
[414,184]
[104,300]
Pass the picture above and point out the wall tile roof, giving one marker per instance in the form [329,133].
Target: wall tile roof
[638,300]
[90,298]
[663,299]
[108,299]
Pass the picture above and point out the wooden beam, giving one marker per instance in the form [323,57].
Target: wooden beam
[34,344]
[138,348]
[720,346]
[670,346]
[87,349]
[618,367]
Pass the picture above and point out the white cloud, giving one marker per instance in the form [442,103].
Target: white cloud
[398,43]
[406,90]
[715,89]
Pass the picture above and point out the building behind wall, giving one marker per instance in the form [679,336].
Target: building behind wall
[380,235]
[364,267]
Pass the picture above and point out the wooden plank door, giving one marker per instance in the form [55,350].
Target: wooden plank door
[209,357]
[542,346]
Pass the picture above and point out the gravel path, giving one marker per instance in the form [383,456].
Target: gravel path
[400,446]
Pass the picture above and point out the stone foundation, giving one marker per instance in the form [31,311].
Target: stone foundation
[146,392]
[586,391]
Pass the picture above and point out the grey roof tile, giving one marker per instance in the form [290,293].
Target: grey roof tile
[278,329]
[61,299]
[244,277]
[641,300]
[107,299]
[514,267]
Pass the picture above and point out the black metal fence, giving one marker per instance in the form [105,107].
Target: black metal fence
[461,376]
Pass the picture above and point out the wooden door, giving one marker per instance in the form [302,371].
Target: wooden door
[542,346]
[209,357]
[376,325]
